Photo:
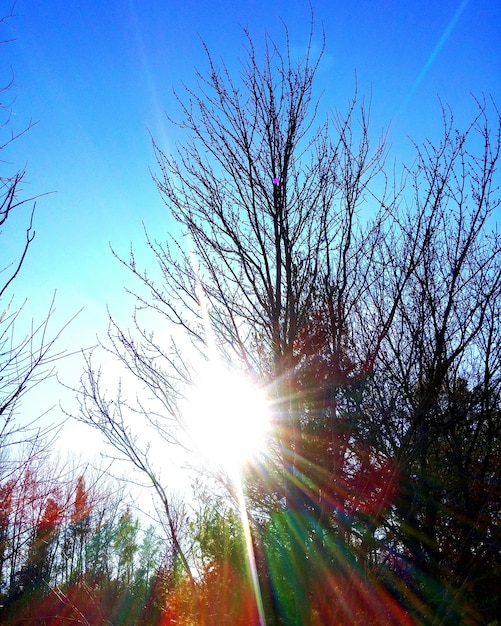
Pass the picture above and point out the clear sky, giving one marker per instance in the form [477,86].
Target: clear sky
[98,77]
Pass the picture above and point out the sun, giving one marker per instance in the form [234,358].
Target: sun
[227,417]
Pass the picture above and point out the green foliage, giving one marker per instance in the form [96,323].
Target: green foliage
[149,553]
[218,535]
[124,545]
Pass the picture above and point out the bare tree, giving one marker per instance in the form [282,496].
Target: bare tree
[272,226]
[270,203]
[435,406]
[364,326]
[26,355]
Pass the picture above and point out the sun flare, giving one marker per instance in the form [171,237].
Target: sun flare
[227,417]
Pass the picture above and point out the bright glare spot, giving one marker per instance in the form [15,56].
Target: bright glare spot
[227,417]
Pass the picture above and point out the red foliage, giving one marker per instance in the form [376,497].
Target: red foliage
[52,516]
[350,600]
[341,470]
[223,597]
[372,486]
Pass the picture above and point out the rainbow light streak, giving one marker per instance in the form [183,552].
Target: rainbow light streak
[436,49]
[235,477]
[249,549]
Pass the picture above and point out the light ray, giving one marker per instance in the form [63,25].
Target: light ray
[233,468]
[436,50]
[249,550]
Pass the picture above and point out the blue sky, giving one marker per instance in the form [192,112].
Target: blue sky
[98,77]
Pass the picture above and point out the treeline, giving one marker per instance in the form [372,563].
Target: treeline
[71,552]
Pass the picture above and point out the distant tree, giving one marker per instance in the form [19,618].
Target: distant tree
[27,494]
[35,577]
[6,506]
[148,556]
[77,532]
[147,599]
[125,546]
